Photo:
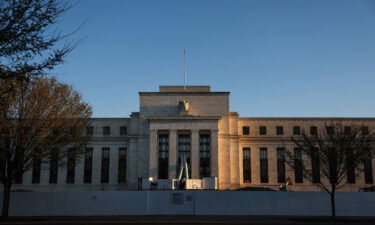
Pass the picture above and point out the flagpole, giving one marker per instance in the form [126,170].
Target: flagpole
[184,69]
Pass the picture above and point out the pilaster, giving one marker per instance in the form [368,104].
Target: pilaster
[195,154]
[153,162]
[214,153]
[172,157]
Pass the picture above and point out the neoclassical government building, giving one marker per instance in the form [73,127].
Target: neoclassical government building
[196,123]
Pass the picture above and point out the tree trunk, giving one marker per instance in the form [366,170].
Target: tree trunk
[6,200]
[333,206]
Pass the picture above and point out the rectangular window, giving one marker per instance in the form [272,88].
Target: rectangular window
[105,166]
[313,130]
[245,130]
[296,130]
[106,130]
[87,174]
[350,172]
[71,166]
[368,169]
[204,155]
[263,165]
[37,165]
[280,165]
[262,130]
[183,152]
[123,130]
[2,165]
[347,130]
[330,130]
[315,166]
[365,130]
[54,166]
[298,173]
[279,130]
[89,130]
[122,165]
[246,165]
[163,156]
[19,167]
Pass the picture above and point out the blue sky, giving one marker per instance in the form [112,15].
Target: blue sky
[277,58]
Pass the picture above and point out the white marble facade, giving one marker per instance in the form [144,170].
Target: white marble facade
[191,110]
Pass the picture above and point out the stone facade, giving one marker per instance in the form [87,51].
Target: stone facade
[191,110]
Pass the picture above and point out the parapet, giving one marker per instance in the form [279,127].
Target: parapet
[184,88]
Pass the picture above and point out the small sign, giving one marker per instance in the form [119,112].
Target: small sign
[177,198]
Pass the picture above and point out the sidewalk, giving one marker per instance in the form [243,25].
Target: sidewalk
[171,220]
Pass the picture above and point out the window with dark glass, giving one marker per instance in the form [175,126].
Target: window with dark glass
[296,130]
[263,165]
[183,151]
[315,166]
[89,130]
[279,130]
[163,156]
[365,130]
[122,165]
[37,165]
[280,165]
[246,165]
[262,130]
[19,167]
[298,173]
[347,130]
[2,165]
[368,169]
[87,174]
[71,166]
[245,130]
[330,130]
[54,166]
[123,130]
[313,130]
[106,130]
[104,179]
[350,172]
[204,155]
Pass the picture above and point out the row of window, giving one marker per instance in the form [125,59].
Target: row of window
[184,153]
[106,130]
[88,167]
[298,165]
[297,130]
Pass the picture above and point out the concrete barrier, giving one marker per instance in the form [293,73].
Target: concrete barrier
[189,202]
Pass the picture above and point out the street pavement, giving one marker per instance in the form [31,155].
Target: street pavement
[186,220]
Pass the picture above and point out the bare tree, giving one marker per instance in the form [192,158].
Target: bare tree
[331,155]
[29,45]
[40,117]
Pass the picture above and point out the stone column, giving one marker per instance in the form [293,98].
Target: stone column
[194,154]
[272,164]
[27,175]
[132,164]
[113,164]
[255,164]
[172,156]
[96,164]
[78,179]
[153,163]
[214,153]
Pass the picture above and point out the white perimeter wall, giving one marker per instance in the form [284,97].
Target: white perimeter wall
[189,202]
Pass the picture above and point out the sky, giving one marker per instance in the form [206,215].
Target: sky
[277,58]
